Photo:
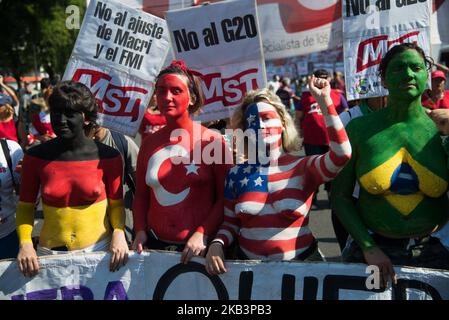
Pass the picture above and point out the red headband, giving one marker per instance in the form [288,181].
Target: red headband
[181,65]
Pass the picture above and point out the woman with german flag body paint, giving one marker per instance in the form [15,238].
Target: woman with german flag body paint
[80,184]
[402,168]
[178,205]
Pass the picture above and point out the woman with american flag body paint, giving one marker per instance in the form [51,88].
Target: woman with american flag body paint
[267,205]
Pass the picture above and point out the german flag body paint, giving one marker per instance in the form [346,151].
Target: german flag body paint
[82,199]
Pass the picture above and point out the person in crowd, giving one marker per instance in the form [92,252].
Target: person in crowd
[338,82]
[267,204]
[437,97]
[81,187]
[40,126]
[6,90]
[275,83]
[178,203]
[153,119]
[285,93]
[297,92]
[7,125]
[15,119]
[401,167]
[129,151]
[11,155]
[312,126]
[25,94]
[364,107]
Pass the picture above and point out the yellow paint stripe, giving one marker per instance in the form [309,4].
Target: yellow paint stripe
[25,221]
[74,227]
[405,204]
[378,180]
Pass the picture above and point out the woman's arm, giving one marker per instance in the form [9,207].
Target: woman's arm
[197,243]
[27,258]
[226,234]
[114,193]
[141,202]
[323,168]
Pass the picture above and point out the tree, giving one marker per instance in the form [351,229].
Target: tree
[37,35]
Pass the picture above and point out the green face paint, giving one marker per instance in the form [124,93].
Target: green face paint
[406,76]
[391,155]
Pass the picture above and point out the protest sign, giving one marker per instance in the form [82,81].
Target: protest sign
[159,275]
[370,31]
[221,42]
[118,53]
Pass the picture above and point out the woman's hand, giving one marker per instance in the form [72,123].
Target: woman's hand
[27,260]
[215,259]
[196,246]
[139,241]
[376,257]
[320,89]
[119,250]
[441,119]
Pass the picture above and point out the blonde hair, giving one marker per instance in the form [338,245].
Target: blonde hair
[6,112]
[290,137]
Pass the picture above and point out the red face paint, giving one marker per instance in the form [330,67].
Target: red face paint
[172,95]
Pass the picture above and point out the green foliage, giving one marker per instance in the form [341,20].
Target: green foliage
[35,32]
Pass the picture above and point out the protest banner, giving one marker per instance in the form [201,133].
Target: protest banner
[159,275]
[221,42]
[118,53]
[369,32]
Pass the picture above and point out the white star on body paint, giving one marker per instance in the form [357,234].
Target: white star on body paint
[258,181]
[251,119]
[192,168]
[244,182]
[231,183]
[234,169]
[247,169]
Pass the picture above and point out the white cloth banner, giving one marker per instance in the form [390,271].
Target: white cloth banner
[297,27]
[369,32]
[222,42]
[160,276]
[118,53]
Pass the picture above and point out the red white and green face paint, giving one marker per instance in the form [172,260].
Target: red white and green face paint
[406,75]
[172,96]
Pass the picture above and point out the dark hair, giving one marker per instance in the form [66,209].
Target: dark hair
[45,83]
[74,96]
[321,73]
[399,49]
[55,79]
[193,83]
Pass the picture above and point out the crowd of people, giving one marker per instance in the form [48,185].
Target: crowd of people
[383,163]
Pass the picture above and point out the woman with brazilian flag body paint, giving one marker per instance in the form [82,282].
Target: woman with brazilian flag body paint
[401,166]
[80,184]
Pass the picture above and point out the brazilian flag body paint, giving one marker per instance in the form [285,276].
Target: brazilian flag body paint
[398,161]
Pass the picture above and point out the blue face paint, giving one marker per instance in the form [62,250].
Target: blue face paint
[252,118]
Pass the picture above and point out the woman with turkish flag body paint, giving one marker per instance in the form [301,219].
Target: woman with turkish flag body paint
[267,204]
[401,165]
[178,204]
[80,184]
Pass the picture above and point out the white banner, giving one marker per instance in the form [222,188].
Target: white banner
[298,27]
[118,53]
[369,32]
[160,276]
[222,42]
